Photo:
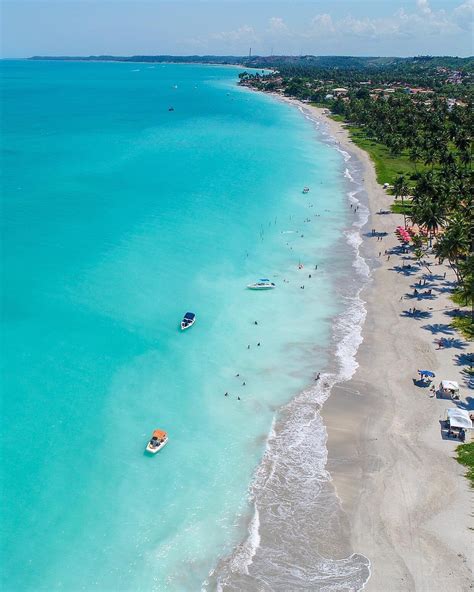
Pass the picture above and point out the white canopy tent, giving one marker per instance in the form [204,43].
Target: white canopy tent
[450,387]
[459,418]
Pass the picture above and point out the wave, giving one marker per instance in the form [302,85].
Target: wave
[295,537]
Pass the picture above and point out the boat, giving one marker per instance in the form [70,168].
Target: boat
[171,109]
[158,440]
[188,320]
[305,189]
[263,284]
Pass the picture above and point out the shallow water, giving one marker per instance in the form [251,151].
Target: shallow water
[299,536]
[118,216]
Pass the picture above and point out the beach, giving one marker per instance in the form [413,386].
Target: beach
[406,498]
[389,507]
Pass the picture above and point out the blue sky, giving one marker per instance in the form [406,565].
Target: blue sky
[181,27]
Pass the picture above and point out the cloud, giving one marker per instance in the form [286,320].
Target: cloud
[360,27]
[278,26]
[464,15]
[423,6]
[416,30]
[322,23]
[244,33]
[401,24]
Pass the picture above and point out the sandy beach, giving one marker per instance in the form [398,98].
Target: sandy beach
[408,504]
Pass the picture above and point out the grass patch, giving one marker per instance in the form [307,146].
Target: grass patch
[463,323]
[398,208]
[465,326]
[465,456]
[387,166]
[338,118]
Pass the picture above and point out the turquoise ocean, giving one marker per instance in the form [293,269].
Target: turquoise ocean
[118,216]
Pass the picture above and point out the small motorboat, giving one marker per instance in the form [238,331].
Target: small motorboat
[158,439]
[171,109]
[263,284]
[305,189]
[188,320]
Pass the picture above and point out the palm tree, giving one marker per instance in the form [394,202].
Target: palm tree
[415,155]
[430,157]
[465,158]
[454,243]
[429,215]
[401,189]
[466,269]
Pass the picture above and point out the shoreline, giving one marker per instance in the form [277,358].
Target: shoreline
[405,496]
[297,477]
[405,503]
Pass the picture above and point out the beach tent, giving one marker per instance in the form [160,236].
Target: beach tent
[449,387]
[459,418]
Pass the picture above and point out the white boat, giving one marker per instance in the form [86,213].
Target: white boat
[305,189]
[158,440]
[188,320]
[262,284]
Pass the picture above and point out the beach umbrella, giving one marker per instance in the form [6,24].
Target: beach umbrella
[428,373]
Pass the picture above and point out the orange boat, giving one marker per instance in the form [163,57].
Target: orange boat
[158,439]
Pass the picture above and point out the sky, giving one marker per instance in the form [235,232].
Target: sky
[232,27]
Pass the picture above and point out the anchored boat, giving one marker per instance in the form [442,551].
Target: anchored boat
[263,284]
[188,320]
[158,440]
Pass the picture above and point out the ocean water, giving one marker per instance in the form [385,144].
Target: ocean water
[118,216]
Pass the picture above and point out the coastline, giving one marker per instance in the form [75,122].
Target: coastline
[395,506]
[406,497]
[297,533]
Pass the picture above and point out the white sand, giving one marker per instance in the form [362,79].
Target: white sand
[408,503]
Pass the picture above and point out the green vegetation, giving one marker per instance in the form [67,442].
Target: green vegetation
[465,456]
[398,208]
[387,166]
[463,298]
[464,323]
[465,326]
